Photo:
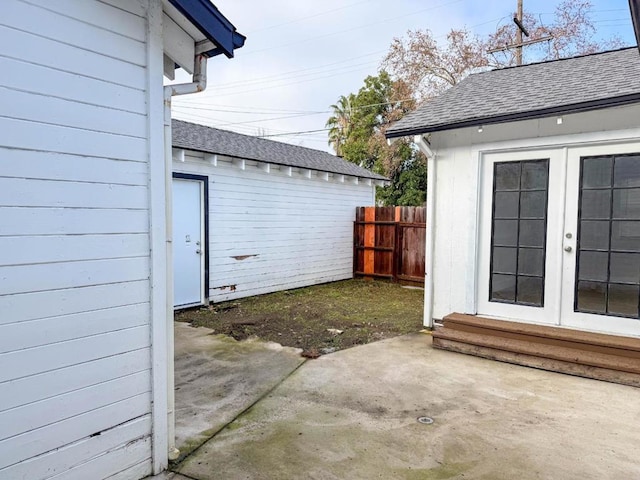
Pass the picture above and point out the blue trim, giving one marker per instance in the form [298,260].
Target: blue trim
[208,19]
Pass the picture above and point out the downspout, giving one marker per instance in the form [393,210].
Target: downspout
[198,85]
[425,148]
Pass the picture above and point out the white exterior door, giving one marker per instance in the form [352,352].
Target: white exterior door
[560,237]
[188,242]
[601,258]
[519,273]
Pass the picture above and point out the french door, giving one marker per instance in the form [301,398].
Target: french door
[601,268]
[560,237]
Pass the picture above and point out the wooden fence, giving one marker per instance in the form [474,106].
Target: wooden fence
[389,242]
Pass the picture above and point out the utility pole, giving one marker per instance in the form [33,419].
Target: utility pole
[519,33]
[519,42]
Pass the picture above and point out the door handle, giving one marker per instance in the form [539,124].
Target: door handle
[568,248]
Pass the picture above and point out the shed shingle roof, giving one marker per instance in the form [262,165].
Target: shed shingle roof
[222,142]
[536,90]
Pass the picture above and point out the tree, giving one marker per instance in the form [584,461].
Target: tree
[340,122]
[420,68]
[429,68]
[371,110]
[572,31]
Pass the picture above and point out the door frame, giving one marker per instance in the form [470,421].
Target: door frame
[569,317]
[550,313]
[204,215]
[574,145]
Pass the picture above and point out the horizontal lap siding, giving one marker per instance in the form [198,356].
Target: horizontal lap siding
[296,231]
[75,387]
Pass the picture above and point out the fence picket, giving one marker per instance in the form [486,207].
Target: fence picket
[389,242]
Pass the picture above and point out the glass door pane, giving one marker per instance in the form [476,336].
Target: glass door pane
[608,253]
[519,232]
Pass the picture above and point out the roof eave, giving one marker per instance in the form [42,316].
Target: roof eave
[512,117]
[371,175]
[213,25]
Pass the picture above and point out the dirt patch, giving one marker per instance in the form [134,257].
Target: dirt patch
[319,319]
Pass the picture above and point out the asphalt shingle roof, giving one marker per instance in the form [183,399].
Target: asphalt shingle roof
[222,142]
[536,90]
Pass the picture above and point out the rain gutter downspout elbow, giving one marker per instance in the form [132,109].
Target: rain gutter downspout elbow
[199,84]
[425,147]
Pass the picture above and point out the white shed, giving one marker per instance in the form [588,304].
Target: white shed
[533,228]
[253,216]
[85,308]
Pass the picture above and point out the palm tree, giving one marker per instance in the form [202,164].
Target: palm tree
[340,122]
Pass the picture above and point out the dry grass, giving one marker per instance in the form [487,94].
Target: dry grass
[364,311]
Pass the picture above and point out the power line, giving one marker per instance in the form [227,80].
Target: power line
[258,81]
[360,107]
[290,73]
[268,110]
[286,76]
[295,133]
[251,112]
[320,14]
[387,20]
[242,92]
[268,119]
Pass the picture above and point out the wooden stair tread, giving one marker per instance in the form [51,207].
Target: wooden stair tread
[544,331]
[582,357]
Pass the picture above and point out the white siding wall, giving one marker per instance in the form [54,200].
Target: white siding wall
[296,231]
[457,188]
[75,384]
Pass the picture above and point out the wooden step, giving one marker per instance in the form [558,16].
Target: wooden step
[604,357]
[579,356]
[579,339]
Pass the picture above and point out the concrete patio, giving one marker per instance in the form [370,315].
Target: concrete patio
[353,415]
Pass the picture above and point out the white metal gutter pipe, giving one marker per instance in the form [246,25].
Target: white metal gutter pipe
[198,85]
[425,147]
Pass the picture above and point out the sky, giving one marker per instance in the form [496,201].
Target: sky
[300,56]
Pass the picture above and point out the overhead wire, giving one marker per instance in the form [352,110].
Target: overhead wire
[188,104]
[360,107]
[288,74]
[320,14]
[258,81]
[213,90]
[339,32]
[259,89]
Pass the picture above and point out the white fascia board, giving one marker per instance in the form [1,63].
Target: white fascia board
[179,46]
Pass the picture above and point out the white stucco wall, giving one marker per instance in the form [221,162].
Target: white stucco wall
[458,180]
[294,230]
